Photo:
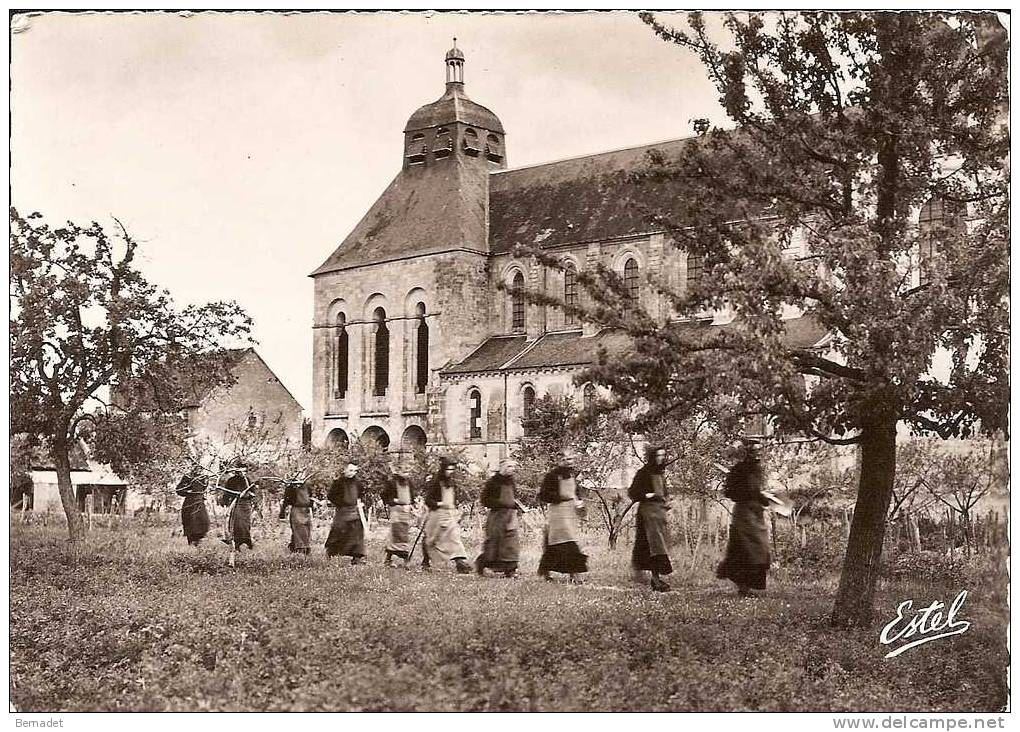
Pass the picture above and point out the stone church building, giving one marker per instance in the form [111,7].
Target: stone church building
[414,340]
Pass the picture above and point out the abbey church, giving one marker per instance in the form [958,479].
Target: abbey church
[416,343]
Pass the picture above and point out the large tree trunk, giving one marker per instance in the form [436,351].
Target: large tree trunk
[75,526]
[856,594]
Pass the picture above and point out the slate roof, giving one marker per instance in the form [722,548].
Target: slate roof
[490,355]
[191,381]
[590,198]
[454,106]
[196,388]
[569,349]
[425,210]
[565,349]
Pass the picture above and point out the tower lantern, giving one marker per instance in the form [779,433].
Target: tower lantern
[454,65]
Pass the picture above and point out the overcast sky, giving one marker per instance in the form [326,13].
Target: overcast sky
[241,148]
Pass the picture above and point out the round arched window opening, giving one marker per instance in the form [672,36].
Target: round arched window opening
[382,354]
[421,366]
[517,303]
[528,412]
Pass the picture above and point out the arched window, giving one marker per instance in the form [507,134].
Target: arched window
[569,293]
[342,357]
[695,269]
[421,379]
[528,398]
[588,395]
[938,217]
[475,400]
[630,280]
[382,354]
[517,303]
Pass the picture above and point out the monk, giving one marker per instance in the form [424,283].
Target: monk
[399,496]
[298,498]
[747,559]
[561,552]
[347,534]
[239,495]
[442,526]
[649,491]
[502,549]
[194,514]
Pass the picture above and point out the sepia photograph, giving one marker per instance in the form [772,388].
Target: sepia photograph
[546,361]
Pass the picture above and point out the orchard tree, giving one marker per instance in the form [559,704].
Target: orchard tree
[149,450]
[874,145]
[83,319]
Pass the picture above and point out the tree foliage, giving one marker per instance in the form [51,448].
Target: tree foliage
[83,318]
[846,124]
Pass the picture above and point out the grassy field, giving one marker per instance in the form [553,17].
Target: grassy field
[146,624]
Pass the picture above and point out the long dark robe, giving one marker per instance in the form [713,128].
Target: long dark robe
[502,548]
[299,499]
[347,534]
[561,552]
[242,499]
[399,496]
[194,514]
[442,525]
[747,552]
[651,539]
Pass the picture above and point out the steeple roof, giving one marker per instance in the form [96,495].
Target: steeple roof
[454,105]
[425,210]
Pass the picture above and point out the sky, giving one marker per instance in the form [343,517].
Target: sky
[241,148]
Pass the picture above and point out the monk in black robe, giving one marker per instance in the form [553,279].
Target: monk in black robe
[502,548]
[297,496]
[442,525]
[649,491]
[238,493]
[747,552]
[194,514]
[347,534]
[399,495]
[561,551]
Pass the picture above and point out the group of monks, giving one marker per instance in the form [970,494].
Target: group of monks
[746,561]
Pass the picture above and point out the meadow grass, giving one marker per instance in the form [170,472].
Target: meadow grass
[145,623]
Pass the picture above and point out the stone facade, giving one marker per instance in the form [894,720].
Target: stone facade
[452,289]
[256,397]
[438,248]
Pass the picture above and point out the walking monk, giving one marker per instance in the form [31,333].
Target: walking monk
[399,496]
[239,494]
[502,548]
[649,491]
[298,497]
[194,514]
[347,534]
[442,527]
[747,552]
[561,552]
